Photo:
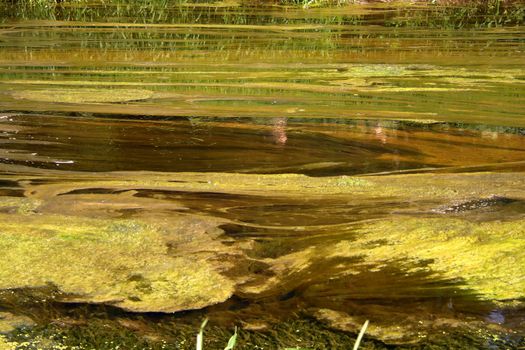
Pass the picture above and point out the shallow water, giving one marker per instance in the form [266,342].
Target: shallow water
[178,123]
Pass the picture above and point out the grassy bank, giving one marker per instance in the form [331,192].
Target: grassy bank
[425,13]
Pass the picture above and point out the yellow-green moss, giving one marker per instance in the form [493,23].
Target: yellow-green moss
[7,345]
[84,95]
[19,205]
[120,262]
[489,257]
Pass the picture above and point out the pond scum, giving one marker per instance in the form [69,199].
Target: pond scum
[124,263]
[137,259]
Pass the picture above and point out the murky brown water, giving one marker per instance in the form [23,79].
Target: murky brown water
[181,128]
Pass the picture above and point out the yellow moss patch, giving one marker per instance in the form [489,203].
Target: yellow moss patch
[120,262]
[7,345]
[84,95]
[489,257]
[20,205]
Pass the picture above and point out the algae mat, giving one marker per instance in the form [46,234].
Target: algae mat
[165,242]
[257,164]
[468,242]
[84,95]
[122,263]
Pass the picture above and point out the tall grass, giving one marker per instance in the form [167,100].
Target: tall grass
[436,14]
[461,14]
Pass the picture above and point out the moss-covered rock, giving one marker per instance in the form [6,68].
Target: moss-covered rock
[9,322]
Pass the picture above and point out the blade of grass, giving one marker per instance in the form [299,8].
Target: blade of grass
[200,336]
[232,341]
[360,336]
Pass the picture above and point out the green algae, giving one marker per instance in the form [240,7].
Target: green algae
[119,262]
[303,65]
[263,185]
[84,95]
[436,187]
[480,256]
[20,205]
[487,257]
[7,345]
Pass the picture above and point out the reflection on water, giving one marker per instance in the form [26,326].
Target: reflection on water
[267,146]
[319,166]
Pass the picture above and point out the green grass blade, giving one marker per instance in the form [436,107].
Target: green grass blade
[232,341]
[200,336]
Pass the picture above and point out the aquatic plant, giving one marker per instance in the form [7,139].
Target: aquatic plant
[360,335]
[446,14]
[233,339]
[200,338]
[200,335]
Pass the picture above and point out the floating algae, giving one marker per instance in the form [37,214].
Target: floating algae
[120,262]
[84,95]
[487,257]
[170,254]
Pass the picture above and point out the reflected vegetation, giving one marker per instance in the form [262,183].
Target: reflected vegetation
[215,70]
[293,172]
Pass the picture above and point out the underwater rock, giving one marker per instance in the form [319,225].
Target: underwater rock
[9,322]
[474,204]
[390,334]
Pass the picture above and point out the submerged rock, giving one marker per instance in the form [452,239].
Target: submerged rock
[9,322]
[396,334]
[474,204]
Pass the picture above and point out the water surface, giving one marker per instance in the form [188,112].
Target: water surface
[323,166]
